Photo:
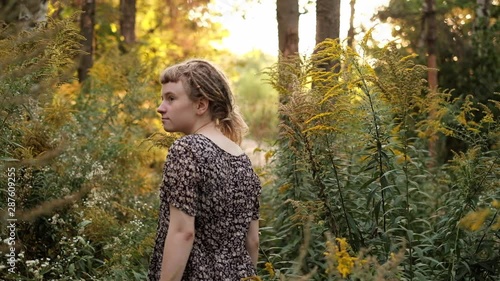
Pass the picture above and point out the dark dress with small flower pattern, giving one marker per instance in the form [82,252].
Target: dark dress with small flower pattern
[221,191]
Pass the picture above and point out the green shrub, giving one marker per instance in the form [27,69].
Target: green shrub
[84,178]
[353,161]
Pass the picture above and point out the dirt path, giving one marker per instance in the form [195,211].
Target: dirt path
[257,157]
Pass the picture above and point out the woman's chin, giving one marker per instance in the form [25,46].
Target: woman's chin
[170,130]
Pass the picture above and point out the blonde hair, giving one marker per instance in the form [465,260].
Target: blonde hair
[201,79]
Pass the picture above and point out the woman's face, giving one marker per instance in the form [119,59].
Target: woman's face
[178,111]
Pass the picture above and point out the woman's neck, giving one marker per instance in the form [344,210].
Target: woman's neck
[209,125]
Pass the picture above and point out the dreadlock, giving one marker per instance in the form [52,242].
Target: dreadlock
[201,79]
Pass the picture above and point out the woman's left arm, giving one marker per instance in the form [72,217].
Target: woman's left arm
[178,245]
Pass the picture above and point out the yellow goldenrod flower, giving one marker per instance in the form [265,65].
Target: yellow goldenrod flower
[269,154]
[282,189]
[344,260]
[270,269]
[343,243]
[496,225]
[474,220]
[461,118]
[345,265]
[402,158]
[339,257]
[495,204]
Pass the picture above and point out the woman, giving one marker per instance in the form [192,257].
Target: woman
[208,220]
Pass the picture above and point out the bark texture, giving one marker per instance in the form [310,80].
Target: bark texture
[87,24]
[432,72]
[288,27]
[328,26]
[350,32]
[327,19]
[482,8]
[430,20]
[127,20]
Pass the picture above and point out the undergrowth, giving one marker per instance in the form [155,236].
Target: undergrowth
[352,161]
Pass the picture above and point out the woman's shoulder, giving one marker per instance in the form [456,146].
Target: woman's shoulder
[190,143]
[199,144]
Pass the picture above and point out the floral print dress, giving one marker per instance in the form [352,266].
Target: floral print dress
[221,191]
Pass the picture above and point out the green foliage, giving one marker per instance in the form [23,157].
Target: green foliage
[258,101]
[83,185]
[86,179]
[467,52]
[174,31]
[352,161]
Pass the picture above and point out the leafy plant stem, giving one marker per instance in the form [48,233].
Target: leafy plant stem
[493,163]
[484,234]
[337,179]
[457,254]
[383,180]
[5,120]
[317,180]
[407,186]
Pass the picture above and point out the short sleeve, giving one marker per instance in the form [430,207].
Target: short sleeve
[256,206]
[181,177]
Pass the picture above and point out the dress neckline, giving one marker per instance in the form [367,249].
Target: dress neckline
[220,148]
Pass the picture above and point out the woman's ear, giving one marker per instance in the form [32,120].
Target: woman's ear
[202,106]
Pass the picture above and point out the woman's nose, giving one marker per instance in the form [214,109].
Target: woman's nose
[161,109]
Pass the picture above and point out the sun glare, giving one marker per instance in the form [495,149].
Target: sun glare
[253,25]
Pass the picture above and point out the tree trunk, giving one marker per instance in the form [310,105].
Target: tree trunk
[327,19]
[173,15]
[482,14]
[288,38]
[328,25]
[432,74]
[430,20]
[127,20]
[23,15]
[483,7]
[87,23]
[350,32]
[288,27]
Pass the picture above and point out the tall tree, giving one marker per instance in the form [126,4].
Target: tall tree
[22,15]
[87,24]
[287,14]
[467,52]
[430,42]
[173,14]
[328,25]
[432,71]
[482,9]
[127,20]
[350,32]
[327,19]
[186,27]
[467,58]
[288,27]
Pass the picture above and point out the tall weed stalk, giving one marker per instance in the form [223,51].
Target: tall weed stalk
[352,159]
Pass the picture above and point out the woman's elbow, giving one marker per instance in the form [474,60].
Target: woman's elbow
[181,236]
[253,241]
[187,236]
